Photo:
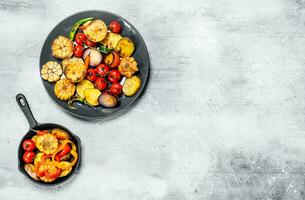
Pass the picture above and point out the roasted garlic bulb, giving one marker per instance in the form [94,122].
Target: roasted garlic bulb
[51,71]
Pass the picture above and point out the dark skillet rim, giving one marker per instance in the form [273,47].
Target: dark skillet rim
[136,97]
[64,179]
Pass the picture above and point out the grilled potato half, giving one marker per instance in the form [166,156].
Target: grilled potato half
[74,69]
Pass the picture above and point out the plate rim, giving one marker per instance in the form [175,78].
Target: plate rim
[121,111]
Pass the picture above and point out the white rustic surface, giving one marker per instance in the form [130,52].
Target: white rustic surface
[222,118]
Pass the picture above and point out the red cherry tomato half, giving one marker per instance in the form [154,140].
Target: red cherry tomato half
[28,156]
[102,70]
[116,88]
[115,27]
[101,84]
[78,51]
[28,145]
[114,76]
[80,38]
[90,43]
[90,75]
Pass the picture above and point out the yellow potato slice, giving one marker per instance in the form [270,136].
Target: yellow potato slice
[82,86]
[131,85]
[111,40]
[91,95]
[96,31]
[125,47]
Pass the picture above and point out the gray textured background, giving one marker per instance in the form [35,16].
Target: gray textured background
[222,118]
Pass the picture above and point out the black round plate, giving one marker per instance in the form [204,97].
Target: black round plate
[140,54]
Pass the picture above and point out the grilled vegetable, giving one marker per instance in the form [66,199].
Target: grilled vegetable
[91,96]
[80,38]
[75,71]
[108,100]
[62,47]
[82,86]
[38,158]
[28,145]
[100,83]
[115,26]
[131,85]
[125,47]
[111,40]
[34,138]
[112,59]
[91,75]
[116,89]
[78,51]
[28,156]
[64,89]
[73,60]
[128,66]
[103,49]
[65,172]
[30,169]
[51,71]
[95,56]
[96,31]
[76,25]
[60,134]
[47,143]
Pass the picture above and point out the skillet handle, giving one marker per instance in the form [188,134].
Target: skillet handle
[24,106]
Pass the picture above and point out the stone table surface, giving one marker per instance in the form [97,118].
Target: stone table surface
[222,118]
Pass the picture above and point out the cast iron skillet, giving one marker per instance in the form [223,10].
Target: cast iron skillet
[140,54]
[34,125]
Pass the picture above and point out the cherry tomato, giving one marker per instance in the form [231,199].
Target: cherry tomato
[102,70]
[114,76]
[78,51]
[90,75]
[80,38]
[90,43]
[116,88]
[28,145]
[101,84]
[115,27]
[28,156]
